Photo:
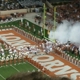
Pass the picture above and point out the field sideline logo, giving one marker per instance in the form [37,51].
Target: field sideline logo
[56,66]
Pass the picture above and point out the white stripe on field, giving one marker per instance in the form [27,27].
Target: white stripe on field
[2,77]
[15,68]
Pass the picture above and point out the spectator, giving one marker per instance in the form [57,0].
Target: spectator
[69,11]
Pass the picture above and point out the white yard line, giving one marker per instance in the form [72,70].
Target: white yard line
[2,77]
[15,68]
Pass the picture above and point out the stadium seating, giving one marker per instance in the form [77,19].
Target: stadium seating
[71,11]
[8,5]
[30,3]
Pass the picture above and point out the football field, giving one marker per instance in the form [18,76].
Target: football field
[51,64]
[11,69]
[8,70]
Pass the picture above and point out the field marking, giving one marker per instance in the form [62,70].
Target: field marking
[37,68]
[2,77]
[15,68]
[67,60]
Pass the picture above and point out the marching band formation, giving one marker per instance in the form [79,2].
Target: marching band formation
[9,54]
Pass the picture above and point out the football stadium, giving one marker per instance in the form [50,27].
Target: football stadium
[40,36]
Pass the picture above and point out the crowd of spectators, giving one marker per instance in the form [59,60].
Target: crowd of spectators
[69,11]
[9,5]
[18,4]
[30,3]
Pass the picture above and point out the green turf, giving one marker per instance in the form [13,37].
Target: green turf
[1,78]
[25,67]
[9,70]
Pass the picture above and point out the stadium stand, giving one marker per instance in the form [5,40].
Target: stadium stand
[9,5]
[68,51]
[30,3]
[72,13]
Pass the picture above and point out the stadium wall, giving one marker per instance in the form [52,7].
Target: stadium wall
[33,29]
[18,11]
